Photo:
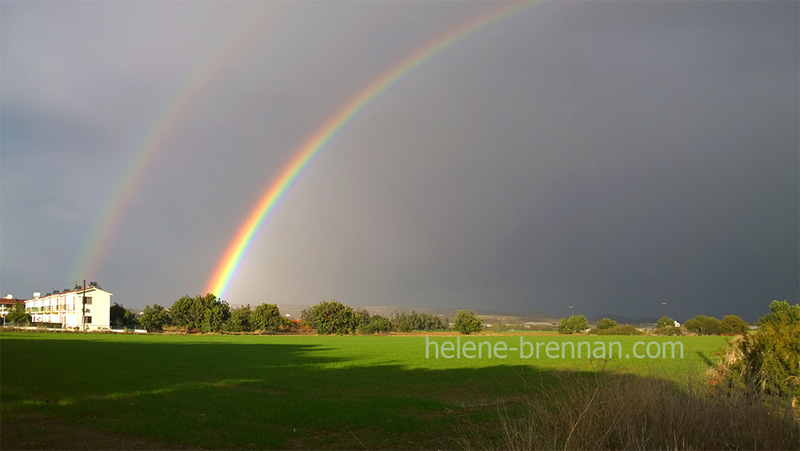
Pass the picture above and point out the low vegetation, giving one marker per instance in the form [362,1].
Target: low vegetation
[573,324]
[605,411]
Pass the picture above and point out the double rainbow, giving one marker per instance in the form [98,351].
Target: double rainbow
[232,258]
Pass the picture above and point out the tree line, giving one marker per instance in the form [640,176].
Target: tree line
[209,314]
[700,325]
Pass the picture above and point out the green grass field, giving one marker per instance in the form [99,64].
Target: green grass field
[256,392]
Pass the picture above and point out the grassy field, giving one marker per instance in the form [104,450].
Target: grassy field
[255,392]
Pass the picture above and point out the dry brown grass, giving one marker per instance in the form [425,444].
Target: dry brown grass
[614,411]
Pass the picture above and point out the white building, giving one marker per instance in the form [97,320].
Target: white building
[68,309]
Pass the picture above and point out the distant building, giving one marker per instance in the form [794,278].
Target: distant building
[67,308]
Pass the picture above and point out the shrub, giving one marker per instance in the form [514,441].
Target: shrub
[266,317]
[239,320]
[205,313]
[155,318]
[704,325]
[667,330]
[17,315]
[606,323]
[766,362]
[625,329]
[733,325]
[332,318]
[376,324]
[665,321]
[405,322]
[467,322]
[575,323]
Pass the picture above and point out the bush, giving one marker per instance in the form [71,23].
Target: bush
[376,324]
[733,325]
[239,320]
[667,330]
[575,324]
[266,317]
[332,318]
[766,362]
[405,322]
[467,322]
[204,313]
[155,318]
[17,315]
[625,329]
[606,323]
[665,321]
[704,325]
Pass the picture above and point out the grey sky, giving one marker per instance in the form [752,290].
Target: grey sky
[608,155]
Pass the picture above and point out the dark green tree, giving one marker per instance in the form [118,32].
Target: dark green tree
[239,320]
[781,312]
[409,322]
[215,316]
[266,317]
[573,324]
[205,313]
[121,317]
[732,324]
[377,324]
[18,316]
[704,325]
[467,322]
[332,318]
[155,318]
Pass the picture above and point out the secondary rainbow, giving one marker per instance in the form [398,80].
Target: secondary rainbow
[219,57]
[232,258]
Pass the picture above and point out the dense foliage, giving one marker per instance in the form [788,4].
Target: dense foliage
[203,313]
[467,322]
[405,322]
[768,360]
[266,317]
[665,321]
[239,320]
[155,318]
[331,318]
[573,324]
[707,325]
[375,324]
[606,323]
[17,315]
[625,329]
[704,325]
[121,317]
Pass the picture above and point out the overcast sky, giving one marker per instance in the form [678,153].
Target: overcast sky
[606,155]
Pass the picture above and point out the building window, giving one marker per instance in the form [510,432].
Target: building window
[88,301]
[88,320]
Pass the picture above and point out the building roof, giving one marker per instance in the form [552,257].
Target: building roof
[76,290]
[10,301]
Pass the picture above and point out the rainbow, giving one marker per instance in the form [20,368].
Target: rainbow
[232,258]
[108,217]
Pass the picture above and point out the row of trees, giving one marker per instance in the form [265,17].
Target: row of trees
[209,314]
[700,325]
[336,318]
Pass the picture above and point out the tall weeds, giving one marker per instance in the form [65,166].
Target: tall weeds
[605,410]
